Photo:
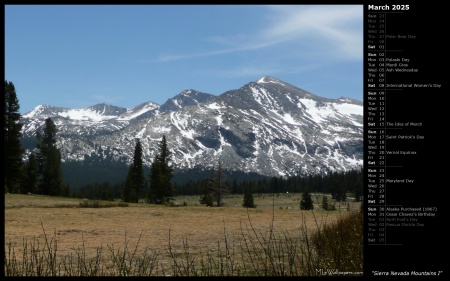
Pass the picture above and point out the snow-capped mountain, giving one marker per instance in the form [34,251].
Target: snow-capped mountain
[185,98]
[269,127]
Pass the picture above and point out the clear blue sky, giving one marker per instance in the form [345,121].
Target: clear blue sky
[79,55]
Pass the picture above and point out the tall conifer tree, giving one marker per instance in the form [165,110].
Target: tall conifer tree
[128,190]
[248,195]
[12,133]
[49,159]
[138,169]
[134,184]
[218,184]
[30,175]
[306,202]
[161,173]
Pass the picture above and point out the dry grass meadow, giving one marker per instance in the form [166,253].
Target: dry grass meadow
[156,227]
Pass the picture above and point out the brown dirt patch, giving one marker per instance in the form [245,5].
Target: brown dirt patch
[27,217]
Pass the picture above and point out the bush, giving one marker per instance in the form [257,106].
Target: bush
[89,204]
[206,200]
[340,245]
[248,197]
[96,204]
[306,202]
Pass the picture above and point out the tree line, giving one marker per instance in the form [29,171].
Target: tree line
[338,184]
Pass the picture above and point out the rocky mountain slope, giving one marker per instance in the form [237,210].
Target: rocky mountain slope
[268,126]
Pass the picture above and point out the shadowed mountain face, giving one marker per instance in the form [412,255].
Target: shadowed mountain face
[269,127]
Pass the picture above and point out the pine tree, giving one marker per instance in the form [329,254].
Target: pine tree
[161,173]
[248,196]
[128,189]
[138,169]
[325,203]
[134,184]
[207,197]
[12,133]
[49,159]
[306,202]
[218,184]
[30,175]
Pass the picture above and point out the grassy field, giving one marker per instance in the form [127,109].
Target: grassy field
[157,228]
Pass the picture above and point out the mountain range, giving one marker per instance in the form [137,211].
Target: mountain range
[268,127]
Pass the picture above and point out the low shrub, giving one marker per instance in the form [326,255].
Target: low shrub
[97,204]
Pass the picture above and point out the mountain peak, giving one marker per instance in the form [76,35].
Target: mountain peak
[185,98]
[187,92]
[269,79]
[107,109]
[43,111]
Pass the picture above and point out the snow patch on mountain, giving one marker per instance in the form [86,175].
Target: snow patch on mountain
[85,114]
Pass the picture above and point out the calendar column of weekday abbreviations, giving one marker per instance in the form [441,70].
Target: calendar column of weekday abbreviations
[395,137]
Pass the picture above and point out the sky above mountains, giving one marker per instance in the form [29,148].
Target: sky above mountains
[76,56]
